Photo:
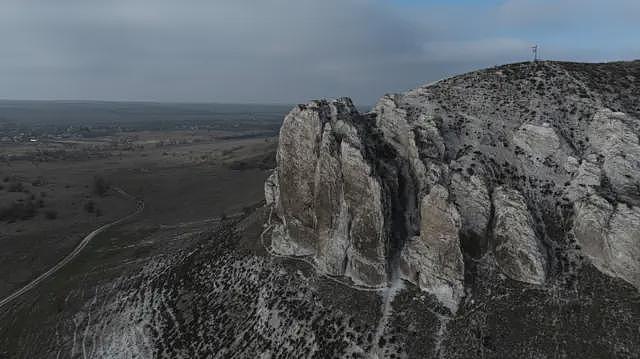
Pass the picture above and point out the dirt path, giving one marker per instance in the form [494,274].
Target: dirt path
[74,253]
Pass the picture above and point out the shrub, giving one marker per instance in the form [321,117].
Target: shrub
[100,186]
[90,206]
[18,211]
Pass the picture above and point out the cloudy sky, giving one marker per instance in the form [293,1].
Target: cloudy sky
[287,51]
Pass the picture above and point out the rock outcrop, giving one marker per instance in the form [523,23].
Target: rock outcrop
[610,236]
[532,167]
[328,201]
[433,259]
[518,251]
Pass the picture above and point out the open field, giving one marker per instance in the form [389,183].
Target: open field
[56,187]
[181,182]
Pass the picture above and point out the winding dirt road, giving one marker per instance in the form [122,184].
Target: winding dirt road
[74,253]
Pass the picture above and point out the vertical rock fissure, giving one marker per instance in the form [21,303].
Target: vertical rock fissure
[491,221]
[398,184]
[399,226]
[345,262]
[405,223]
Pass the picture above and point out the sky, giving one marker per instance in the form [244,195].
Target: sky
[288,51]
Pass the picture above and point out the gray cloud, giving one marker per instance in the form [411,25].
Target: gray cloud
[285,50]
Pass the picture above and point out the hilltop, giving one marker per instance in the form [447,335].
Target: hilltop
[518,178]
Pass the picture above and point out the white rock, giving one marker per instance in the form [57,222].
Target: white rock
[612,138]
[362,192]
[271,190]
[434,260]
[473,203]
[539,141]
[610,237]
[329,204]
[518,251]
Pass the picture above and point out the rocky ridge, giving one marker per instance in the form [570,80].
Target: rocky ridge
[532,167]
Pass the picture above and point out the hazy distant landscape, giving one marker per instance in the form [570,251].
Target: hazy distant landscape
[24,120]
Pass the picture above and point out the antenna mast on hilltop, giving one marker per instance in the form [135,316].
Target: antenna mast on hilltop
[534,49]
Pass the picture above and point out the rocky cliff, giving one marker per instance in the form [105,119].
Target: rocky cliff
[533,168]
[491,215]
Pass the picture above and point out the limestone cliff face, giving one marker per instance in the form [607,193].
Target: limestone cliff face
[327,197]
[517,249]
[534,168]
[433,260]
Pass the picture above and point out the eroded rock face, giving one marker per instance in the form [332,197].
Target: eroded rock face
[433,259]
[367,238]
[518,251]
[329,204]
[297,155]
[613,139]
[520,166]
[538,141]
[590,225]
[610,237]
[271,190]
[473,202]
